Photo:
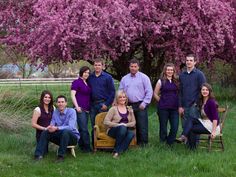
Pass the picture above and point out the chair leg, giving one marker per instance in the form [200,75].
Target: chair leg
[210,144]
[222,144]
[72,150]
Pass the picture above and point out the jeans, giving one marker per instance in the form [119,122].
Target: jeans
[192,129]
[95,109]
[82,121]
[141,117]
[63,138]
[123,138]
[172,116]
[190,112]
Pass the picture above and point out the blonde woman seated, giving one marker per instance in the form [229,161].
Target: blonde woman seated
[119,119]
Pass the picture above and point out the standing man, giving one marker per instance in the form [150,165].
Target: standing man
[138,88]
[191,81]
[61,131]
[103,91]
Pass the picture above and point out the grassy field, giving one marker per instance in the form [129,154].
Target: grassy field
[155,160]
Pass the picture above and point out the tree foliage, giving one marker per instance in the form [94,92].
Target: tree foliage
[155,31]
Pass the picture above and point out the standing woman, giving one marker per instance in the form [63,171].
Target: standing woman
[80,94]
[209,121]
[119,119]
[42,114]
[166,95]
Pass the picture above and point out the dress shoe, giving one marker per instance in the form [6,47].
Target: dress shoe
[59,159]
[38,157]
[182,139]
[115,155]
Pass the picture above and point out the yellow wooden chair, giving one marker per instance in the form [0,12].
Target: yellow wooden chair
[206,141]
[101,139]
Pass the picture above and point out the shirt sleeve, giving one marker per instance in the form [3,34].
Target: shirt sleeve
[148,91]
[37,109]
[74,85]
[111,89]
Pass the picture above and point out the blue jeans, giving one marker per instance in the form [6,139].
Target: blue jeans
[123,137]
[82,121]
[95,109]
[141,117]
[192,129]
[172,116]
[190,112]
[63,138]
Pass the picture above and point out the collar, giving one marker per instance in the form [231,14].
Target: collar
[134,75]
[194,70]
[93,74]
[62,113]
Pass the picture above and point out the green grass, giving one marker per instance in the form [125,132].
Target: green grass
[155,160]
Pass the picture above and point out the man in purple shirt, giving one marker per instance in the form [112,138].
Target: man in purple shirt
[61,131]
[138,88]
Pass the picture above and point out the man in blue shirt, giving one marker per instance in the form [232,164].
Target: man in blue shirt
[61,131]
[191,81]
[103,90]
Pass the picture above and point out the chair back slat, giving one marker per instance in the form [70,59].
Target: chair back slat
[222,114]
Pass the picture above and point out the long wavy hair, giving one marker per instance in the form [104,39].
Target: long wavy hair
[163,75]
[211,94]
[41,103]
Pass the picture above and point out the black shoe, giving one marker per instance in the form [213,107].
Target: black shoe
[38,157]
[60,159]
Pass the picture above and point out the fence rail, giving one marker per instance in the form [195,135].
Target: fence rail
[36,81]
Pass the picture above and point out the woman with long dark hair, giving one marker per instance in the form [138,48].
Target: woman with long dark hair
[42,114]
[208,123]
[166,95]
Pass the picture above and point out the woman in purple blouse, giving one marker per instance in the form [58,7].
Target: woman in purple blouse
[208,123]
[80,94]
[166,95]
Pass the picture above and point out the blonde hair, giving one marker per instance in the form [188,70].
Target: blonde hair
[119,93]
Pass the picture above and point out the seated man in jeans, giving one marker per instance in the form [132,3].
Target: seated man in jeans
[61,131]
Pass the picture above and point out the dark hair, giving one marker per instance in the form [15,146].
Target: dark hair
[61,96]
[191,56]
[41,104]
[164,77]
[98,60]
[134,61]
[82,70]
[211,94]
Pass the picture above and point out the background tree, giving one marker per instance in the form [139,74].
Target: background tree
[154,31]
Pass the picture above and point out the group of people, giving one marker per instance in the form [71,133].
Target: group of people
[93,93]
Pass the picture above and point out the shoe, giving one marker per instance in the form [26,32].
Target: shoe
[59,159]
[115,155]
[182,139]
[38,157]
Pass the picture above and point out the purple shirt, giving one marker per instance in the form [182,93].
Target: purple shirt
[211,111]
[169,95]
[137,87]
[65,120]
[82,95]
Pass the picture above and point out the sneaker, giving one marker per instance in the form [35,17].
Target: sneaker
[182,139]
[115,155]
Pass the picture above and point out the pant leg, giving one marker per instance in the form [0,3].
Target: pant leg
[190,112]
[82,121]
[42,144]
[193,135]
[163,115]
[141,117]
[123,137]
[174,124]
[67,137]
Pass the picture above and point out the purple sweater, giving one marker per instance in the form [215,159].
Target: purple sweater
[211,111]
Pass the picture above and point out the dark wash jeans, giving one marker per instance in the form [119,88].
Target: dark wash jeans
[123,137]
[82,121]
[190,112]
[63,138]
[192,129]
[172,116]
[141,117]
